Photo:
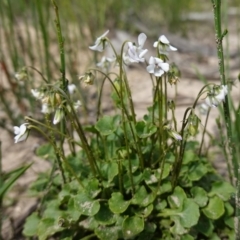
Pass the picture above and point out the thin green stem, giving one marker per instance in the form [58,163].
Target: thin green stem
[45,38]
[232,149]
[204,131]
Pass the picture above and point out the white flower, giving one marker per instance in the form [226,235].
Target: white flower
[136,53]
[222,92]
[175,135]
[157,66]
[100,43]
[37,94]
[59,114]
[105,62]
[46,108]
[164,45]
[71,88]
[77,104]
[21,133]
[203,108]
[216,96]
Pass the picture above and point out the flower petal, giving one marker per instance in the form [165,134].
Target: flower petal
[163,40]
[142,39]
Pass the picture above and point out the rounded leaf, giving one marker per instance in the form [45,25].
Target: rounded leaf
[86,205]
[224,190]
[117,203]
[215,208]
[106,125]
[199,196]
[31,225]
[104,215]
[132,226]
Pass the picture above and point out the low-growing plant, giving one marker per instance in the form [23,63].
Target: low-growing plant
[126,177]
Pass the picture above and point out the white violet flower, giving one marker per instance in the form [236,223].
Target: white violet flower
[157,66]
[105,62]
[77,104]
[136,53]
[71,88]
[59,114]
[164,45]
[100,43]
[21,132]
[175,135]
[46,108]
[37,94]
[216,96]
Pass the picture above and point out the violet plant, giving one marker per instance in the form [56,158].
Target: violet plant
[125,177]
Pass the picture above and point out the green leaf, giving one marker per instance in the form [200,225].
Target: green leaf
[31,225]
[142,197]
[72,213]
[205,226]
[187,237]
[47,227]
[92,187]
[144,211]
[104,215]
[89,223]
[12,177]
[176,199]
[229,210]
[132,226]
[136,177]
[46,151]
[184,217]
[109,170]
[215,208]
[86,205]
[224,190]
[52,210]
[144,129]
[117,203]
[189,156]
[107,232]
[106,125]
[229,222]
[190,213]
[199,196]
[152,176]
[197,171]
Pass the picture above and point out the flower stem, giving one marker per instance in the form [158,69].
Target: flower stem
[219,37]
[61,46]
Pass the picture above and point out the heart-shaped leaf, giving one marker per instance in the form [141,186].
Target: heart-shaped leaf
[205,226]
[199,196]
[144,129]
[185,217]
[31,225]
[215,208]
[117,204]
[107,232]
[142,197]
[224,190]
[197,171]
[104,215]
[92,187]
[106,125]
[144,211]
[47,227]
[176,199]
[132,226]
[86,205]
